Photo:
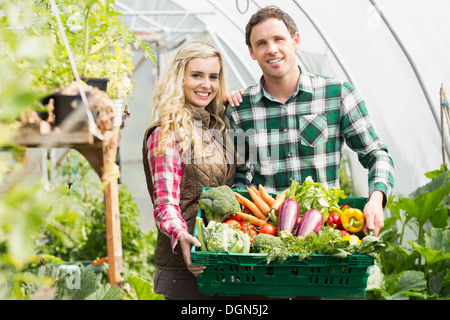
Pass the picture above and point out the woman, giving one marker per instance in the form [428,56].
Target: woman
[183,152]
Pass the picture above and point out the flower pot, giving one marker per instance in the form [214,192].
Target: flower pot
[100,83]
[63,106]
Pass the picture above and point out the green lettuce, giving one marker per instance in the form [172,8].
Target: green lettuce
[313,195]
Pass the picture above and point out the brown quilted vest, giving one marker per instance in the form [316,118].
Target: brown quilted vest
[195,177]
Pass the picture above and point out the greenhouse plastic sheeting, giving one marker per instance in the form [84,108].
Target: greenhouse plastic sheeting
[398,64]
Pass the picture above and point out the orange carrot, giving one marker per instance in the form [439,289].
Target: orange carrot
[266,196]
[264,207]
[252,219]
[250,205]
[279,201]
[99,261]
[257,192]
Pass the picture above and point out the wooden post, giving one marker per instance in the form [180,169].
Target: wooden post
[113,231]
[442,125]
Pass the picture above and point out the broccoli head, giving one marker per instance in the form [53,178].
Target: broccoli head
[218,202]
[264,243]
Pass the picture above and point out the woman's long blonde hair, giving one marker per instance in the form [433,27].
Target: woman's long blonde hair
[169,98]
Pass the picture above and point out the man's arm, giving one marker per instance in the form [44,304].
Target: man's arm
[361,137]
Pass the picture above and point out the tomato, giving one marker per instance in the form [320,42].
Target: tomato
[236,217]
[344,207]
[268,229]
[247,228]
[244,224]
[232,223]
[245,210]
[251,233]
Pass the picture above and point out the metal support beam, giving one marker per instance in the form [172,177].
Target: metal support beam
[413,66]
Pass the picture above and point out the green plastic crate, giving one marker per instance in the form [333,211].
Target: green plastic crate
[233,274]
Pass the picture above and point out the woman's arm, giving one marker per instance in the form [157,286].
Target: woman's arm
[166,171]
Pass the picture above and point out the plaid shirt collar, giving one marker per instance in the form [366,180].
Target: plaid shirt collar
[304,84]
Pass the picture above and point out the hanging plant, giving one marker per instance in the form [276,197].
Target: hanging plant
[102,46]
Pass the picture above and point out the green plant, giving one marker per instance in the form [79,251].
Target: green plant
[24,202]
[22,53]
[99,40]
[417,268]
[85,237]
[56,284]
[144,289]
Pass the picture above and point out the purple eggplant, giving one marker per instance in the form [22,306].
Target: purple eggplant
[288,215]
[311,221]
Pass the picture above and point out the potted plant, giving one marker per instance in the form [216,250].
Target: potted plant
[101,45]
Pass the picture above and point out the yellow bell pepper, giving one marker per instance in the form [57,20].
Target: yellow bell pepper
[352,220]
[351,238]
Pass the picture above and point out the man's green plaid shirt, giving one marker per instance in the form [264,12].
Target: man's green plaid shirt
[305,136]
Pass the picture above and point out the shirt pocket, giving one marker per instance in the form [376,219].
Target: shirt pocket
[313,129]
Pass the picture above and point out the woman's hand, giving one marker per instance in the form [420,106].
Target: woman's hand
[186,241]
[234,98]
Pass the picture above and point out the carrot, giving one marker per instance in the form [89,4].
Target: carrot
[257,192]
[99,261]
[250,205]
[279,201]
[266,196]
[252,219]
[264,207]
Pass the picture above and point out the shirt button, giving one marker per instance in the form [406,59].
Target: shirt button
[289,155]
[284,106]
[285,130]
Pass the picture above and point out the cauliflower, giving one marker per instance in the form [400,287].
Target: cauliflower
[219,237]
[222,238]
[218,202]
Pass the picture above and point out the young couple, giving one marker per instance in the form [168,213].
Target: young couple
[308,117]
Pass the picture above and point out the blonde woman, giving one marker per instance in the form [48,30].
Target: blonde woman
[183,152]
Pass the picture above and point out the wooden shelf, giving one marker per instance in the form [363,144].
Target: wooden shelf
[31,136]
[102,157]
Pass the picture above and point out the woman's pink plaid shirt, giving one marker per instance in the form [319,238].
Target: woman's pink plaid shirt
[166,171]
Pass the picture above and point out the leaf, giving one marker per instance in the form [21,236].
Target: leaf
[431,256]
[424,205]
[105,292]
[144,289]
[435,281]
[436,246]
[407,281]
[439,219]
[438,239]
[439,180]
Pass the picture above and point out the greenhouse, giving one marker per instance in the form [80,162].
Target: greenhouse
[78,223]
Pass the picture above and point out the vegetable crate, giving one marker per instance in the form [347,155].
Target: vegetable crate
[320,275]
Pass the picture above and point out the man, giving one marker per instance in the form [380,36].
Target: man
[296,122]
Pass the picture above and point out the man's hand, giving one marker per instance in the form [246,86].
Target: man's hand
[234,98]
[373,213]
[186,241]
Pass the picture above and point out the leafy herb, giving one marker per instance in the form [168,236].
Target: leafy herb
[326,241]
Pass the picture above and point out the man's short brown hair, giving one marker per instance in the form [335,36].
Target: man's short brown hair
[266,13]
